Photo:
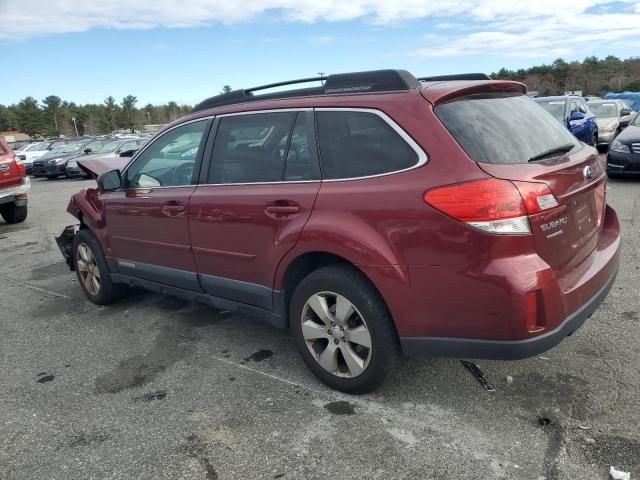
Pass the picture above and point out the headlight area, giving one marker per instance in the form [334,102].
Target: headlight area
[620,147]
[58,161]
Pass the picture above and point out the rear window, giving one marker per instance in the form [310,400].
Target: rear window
[506,128]
[360,144]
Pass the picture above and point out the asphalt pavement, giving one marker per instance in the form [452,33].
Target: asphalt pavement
[156,388]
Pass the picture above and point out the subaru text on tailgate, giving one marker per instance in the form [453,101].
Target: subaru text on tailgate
[373,216]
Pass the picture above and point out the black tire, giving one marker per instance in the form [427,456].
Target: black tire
[108,291]
[13,213]
[350,283]
[594,140]
[51,177]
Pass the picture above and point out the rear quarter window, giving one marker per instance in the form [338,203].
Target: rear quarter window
[360,144]
[503,128]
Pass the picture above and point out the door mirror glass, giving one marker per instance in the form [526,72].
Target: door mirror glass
[109,181]
[576,116]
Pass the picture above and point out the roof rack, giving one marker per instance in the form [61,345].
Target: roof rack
[460,76]
[357,82]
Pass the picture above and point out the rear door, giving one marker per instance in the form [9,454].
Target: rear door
[147,219]
[252,202]
[512,138]
[9,174]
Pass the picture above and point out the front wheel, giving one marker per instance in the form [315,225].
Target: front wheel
[343,329]
[93,271]
[13,213]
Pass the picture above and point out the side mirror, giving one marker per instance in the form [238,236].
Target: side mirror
[624,113]
[576,116]
[128,153]
[624,121]
[109,181]
[87,151]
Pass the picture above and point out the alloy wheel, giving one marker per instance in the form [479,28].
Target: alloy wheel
[336,334]
[88,269]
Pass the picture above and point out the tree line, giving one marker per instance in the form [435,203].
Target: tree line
[593,76]
[54,117]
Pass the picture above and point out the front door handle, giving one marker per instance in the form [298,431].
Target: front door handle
[172,208]
[283,209]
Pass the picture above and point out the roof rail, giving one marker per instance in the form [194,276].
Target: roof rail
[357,82]
[460,76]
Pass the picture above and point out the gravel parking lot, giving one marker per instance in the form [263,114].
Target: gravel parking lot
[156,388]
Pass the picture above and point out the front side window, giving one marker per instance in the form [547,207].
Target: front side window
[251,148]
[169,160]
[360,144]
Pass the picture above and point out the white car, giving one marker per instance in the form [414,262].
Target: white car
[31,152]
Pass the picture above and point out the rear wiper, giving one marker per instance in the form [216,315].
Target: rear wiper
[552,151]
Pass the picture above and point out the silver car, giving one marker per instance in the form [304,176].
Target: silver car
[609,117]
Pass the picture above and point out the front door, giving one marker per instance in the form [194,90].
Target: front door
[148,218]
[248,213]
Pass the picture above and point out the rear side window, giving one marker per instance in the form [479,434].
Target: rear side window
[359,144]
[251,148]
[508,128]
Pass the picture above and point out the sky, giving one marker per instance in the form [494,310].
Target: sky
[186,50]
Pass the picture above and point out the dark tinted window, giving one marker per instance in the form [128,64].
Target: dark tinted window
[502,128]
[359,144]
[301,163]
[251,148]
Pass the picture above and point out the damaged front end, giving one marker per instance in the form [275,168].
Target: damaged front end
[65,243]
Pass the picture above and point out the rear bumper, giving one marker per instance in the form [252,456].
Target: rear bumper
[9,194]
[505,349]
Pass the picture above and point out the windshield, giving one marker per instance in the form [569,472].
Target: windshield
[69,148]
[503,128]
[110,146]
[93,146]
[556,109]
[604,110]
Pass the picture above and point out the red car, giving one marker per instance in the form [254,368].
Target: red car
[14,185]
[375,215]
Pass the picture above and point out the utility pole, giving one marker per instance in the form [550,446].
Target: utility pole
[55,122]
[321,74]
[113,118]
[73,119]
[148,118]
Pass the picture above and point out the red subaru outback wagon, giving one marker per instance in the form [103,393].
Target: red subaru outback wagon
[375,215]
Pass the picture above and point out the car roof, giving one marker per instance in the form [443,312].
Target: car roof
[435,93]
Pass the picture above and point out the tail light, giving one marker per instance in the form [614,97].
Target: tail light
[22,171]
[493,205]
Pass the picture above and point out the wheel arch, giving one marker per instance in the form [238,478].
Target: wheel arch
[289,274]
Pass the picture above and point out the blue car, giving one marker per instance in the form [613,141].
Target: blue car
[573,112]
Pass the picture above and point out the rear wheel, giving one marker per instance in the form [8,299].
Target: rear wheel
[343,329]
[13,213]
[93,271]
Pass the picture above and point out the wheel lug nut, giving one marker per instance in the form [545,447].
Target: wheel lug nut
[342,328]
[335,341]
[329,332]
